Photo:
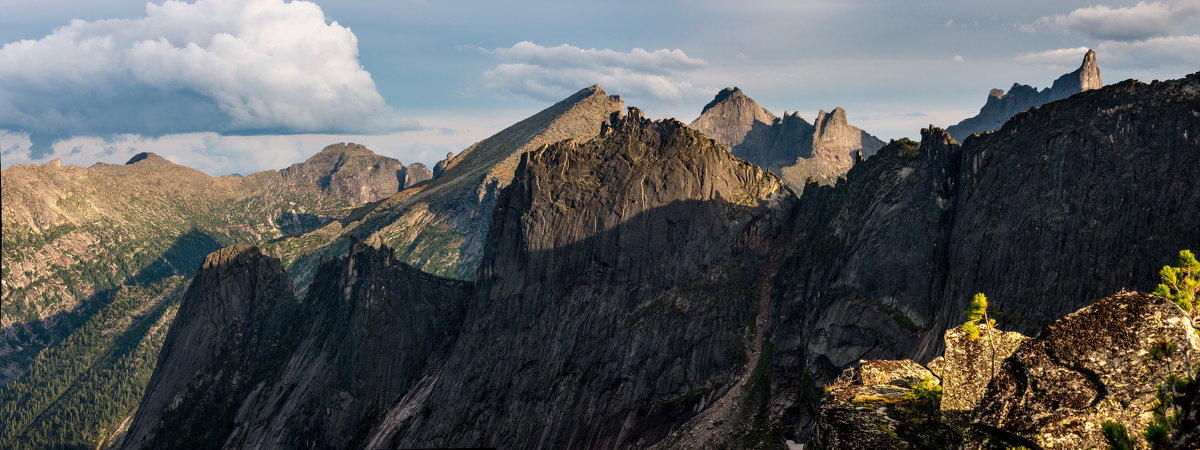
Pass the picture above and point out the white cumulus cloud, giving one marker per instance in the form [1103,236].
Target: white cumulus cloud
[1132,23]
[551,73]
[224,66]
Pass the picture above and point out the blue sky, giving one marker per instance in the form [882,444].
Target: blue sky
[237,86]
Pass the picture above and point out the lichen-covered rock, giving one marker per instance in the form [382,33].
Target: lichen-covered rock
[903,373]
[967,365]
[1088,367]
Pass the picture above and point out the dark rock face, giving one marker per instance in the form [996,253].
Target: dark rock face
[377,327]
[1001,106]
[788,146]
[612,303]
[235,323]
[416,173]
[350,172]
[369,330]
[1085,368]
[1064,204]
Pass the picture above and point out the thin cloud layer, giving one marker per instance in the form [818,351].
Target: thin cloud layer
[1133,23]
[551,73]
[224,66]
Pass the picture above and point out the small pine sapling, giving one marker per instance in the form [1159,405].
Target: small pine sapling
[1181,285]
[977,312]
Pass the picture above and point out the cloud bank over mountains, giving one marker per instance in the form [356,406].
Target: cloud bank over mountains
[551,73]
[224,66]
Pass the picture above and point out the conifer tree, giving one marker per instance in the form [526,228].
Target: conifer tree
[977,312]
[1180,285]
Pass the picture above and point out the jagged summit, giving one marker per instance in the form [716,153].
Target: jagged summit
[788,146]
[1000,106]
[724,95]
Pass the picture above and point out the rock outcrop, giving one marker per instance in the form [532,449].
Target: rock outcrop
[788,146]
[967,365]
[1000,106]
[1088,367]
[1053,391]
[350,172]
[416,173]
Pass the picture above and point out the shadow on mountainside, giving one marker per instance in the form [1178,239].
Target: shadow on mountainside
[20,343]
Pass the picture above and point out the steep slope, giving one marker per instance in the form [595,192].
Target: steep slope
[1064,204]
[82,391]
[349,172]
[369,330]
[788,146]
[440,226]
[73,235]
[236,322]
[614,298]
[1020,97]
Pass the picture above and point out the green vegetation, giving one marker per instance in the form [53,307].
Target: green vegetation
[977,312]
[1180,285]
[1116,436]
[919,419]
[1165,410]
[77,393]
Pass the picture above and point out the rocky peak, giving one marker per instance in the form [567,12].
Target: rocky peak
[348,171]
[147,158]
[732,119]
[416,173]
[1000,106]
[1086,77]
[788,146]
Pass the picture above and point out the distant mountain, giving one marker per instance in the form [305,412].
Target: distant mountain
[1000,105]
[350,172]
[440,226]
[788,146]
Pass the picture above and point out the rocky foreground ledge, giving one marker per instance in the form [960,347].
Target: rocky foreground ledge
[1102,363]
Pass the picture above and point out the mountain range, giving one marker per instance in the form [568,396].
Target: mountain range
[587,277]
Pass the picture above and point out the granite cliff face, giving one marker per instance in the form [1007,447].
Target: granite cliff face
[1020,97]
[350,172]
[621,266]
[364,337]
[645,287]
[788,146]
[1064,204]
[235,323]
